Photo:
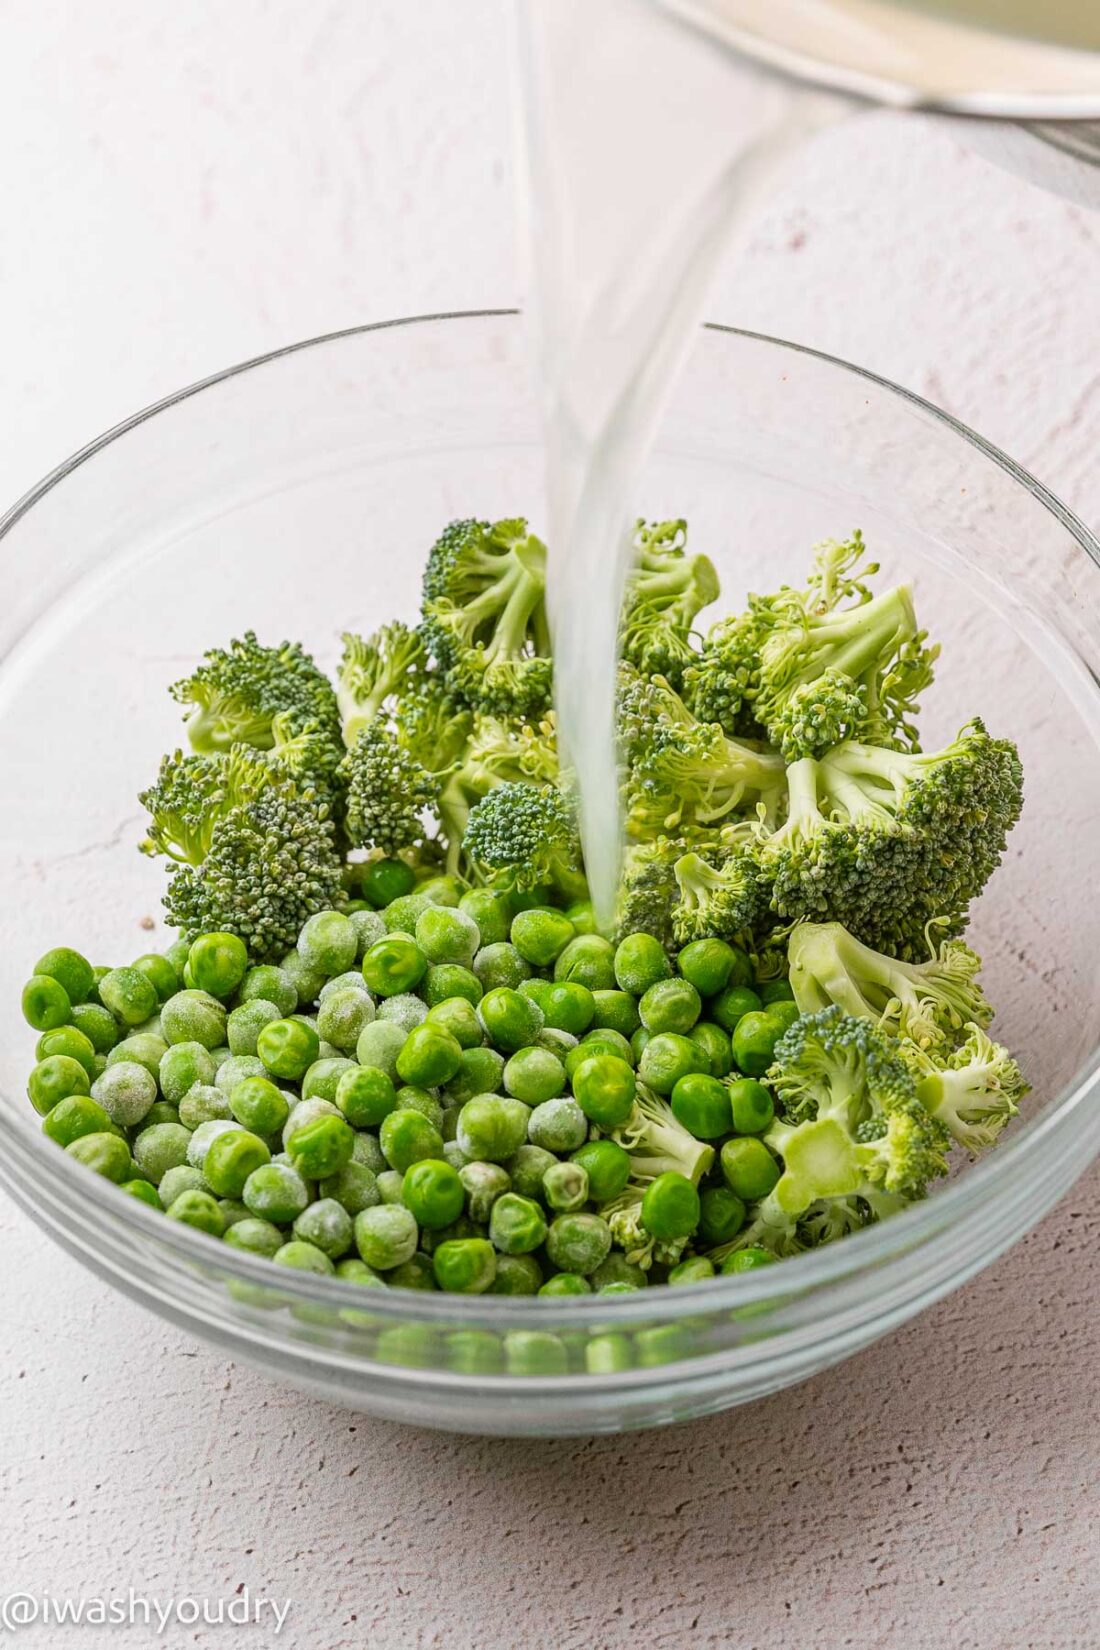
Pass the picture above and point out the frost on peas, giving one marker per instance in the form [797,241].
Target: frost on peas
[306,1111]
[183,1178]
[447,936]
[203,1104]
[181,1067]
[483,1183]
[342,1016]
[125,1091]
[204,1136]
[143,1049]
[558,1125]
[328,943]
[405,1010]
[275,1192]
[160,1148]
[269,984]
[245,1023]
[193,1017]
[379,1045]
[327,1225]
[578,1243]
[322,1080]
[236,1069]
[368,926]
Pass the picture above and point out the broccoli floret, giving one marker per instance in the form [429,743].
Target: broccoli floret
[375,671]
[849,1115]
[682,771]
[237,694]
[974,1091]
[485,616]
[820,714]
[648,890]
[886,841]
[388,792]
[530,832]
[657,1142]
[254,854]
[623,1215]
[664,594]
[930,1002]
[723,899]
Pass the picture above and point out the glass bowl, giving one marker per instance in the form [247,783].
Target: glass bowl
[298,495]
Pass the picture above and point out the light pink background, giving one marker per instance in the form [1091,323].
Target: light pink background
[187,187]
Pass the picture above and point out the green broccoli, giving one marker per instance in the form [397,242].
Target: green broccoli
[849,1115]
[485,619]
[374,672]
[681,772]
[648,889]
[665,592]
[530,832]
[973,1091]
[388,792]
[657,1142]
[237,695]
[930,1003]
[886,841]
[719,895]
[253,854]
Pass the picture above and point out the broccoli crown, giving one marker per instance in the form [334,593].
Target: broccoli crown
[665,592]
[849,1114]
[375,671]
[723,899]
[680,771]
[973,1091]
[929,1003]
[818,714]
[648,890]
[237,693]
[658,1142]
[530,831]
[388,792]
[484,607]
[254,854]
[887,841]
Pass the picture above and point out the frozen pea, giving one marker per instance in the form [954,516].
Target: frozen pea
[193,1017]
[181,1067]
[237,1069]
[202,1104]
[342,1016]
[143,1048]
[125,1091]
[204,1136]
[160,1148]
[405,1009]
[558,1125]
[246,1021]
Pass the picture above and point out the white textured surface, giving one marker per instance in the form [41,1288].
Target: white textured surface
[186,188]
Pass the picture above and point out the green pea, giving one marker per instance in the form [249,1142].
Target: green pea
[144,1048]
[517,1225]
[447,983]
[535,1352]
[288,1047]
[604,1088]
[304,1257]
[203,1104]
[714,1045]
[401,915]
[71,971]
[541,934]
[516,1275]
[582,914]
[394,965]
[640,963]
[607,1166]
[366,1096]
[568,1006]
[578,1243]
[670,1005]
[751,1106]
[754,1040]
[327,1225]
[604,1041]
[46,1003]
[128,995]
[54,1079]
[430,1056]
[708,965]
[125,1091]
[174,1182]
[385,880]
[482,1184]
[161,1147]
[748,1168]
[608,1355]
[386,1235]
[696,1269]
[565,1187]
[447,936]
[534,1075]
[527,1170]
[615,1011]
[670,1207]
[107,1154]
[721,1215]
[73,1117]
[434,1193]
[184,1065]
[775,991]
[411,1345]
[784,1013]
[702,1104]
[490,910]
[194,1017]
[199,1210]
[97,1024]
[269,984]
[731,1005]
[500,965]
[465,1266]
[511,1021]
[275,1192]
[747,1259]
[161,973]
[379,1045]
[390,1185]
[354,1187]
[458,1017]
[492,1127]
[254,1236]
[481,1072]
[218,963]
[258,1105]
[665,1059]
[475,1352]
[558,1125]
[442,890]
[406,1137]
[143,1191]
[161,1112]
[589,960]
[566,1283]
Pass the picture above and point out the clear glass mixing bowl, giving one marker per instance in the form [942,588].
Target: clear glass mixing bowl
[298,495]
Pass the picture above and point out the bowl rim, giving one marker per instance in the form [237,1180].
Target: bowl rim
[874,1246]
